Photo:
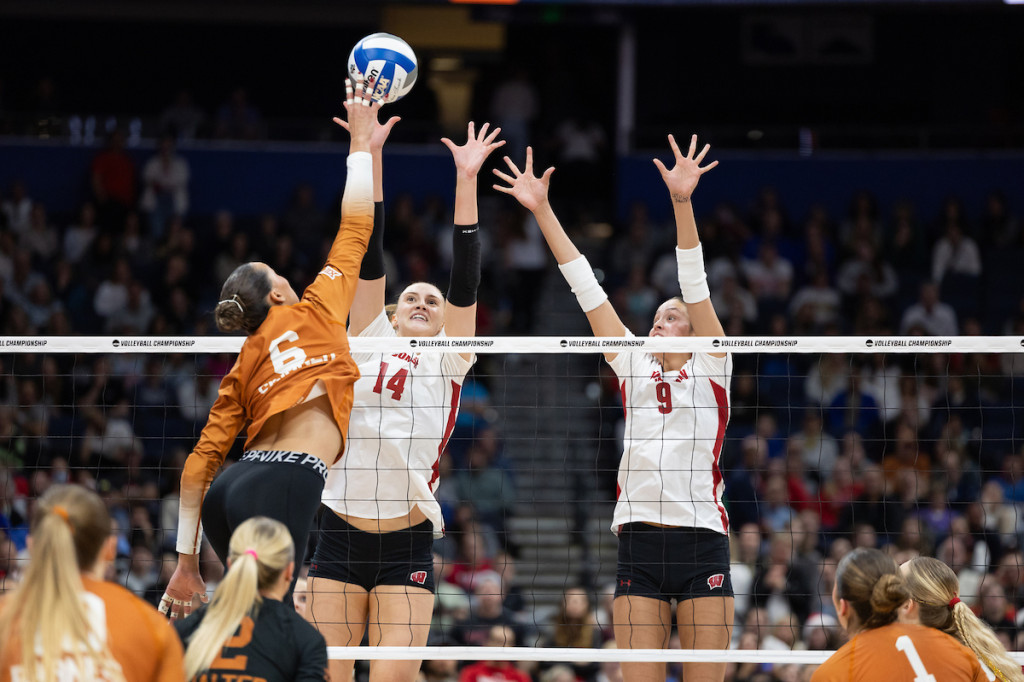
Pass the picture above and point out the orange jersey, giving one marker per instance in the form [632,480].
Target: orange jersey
[141,641]
[902,652]
[295,349]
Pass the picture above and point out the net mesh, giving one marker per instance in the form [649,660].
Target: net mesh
[912,444]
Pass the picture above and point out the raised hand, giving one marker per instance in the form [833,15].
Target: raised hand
[362,110]
[380,130]
[181,590]
[682,179]
[528,189]
[470,156]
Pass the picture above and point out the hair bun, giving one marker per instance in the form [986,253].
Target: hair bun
[888,594]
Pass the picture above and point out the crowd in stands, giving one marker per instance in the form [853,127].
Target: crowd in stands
[920,454]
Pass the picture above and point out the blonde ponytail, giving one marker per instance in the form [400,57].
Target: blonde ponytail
[47,608]
[260,550]
[983,642]
[934,587]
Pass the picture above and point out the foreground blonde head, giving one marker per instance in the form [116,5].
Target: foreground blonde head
[47,609]
[935,589]
[260,551]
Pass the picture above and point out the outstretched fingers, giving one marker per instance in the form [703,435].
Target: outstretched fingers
[693,146]
[675,147]
[705,169]
[504,176]
[489,140]
[515,169]
[703,153]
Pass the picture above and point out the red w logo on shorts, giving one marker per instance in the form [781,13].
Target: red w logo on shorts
[716,580]
[420,577]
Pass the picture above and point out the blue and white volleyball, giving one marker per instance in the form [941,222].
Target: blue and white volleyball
[388,64]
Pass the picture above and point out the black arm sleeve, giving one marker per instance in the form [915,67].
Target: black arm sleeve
[373,260]
[465,278]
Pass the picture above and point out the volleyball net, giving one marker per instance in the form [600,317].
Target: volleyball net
[911,444]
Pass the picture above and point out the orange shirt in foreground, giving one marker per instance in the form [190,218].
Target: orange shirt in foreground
[141,641]
[902,652]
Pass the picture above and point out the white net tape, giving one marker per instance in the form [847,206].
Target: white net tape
[492,653]
[539,344]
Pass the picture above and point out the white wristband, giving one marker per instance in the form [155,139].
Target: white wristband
[583,283]
[693,281]
[359,182]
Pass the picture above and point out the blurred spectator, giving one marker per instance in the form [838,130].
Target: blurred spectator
[999,228]
[237,119]
[486,612]
[136,315]
[439,671]
[238,253]
[905,247]
[304,221]
[41,306]
[474,548]
[40,240]
[451,604]
[733,301]
[78,237]
[867,273]
[113,182]
[514,106]
[873,506]
[17,209]
[827,377]
[183,118]
[822,632]
[13,510]
[781,586]
[816,304]
[955,253]
[525,264]
[112,294]
[746,550]
[998,612]
[819,450]
[574,625]
[929,315]
[579,143]
[487,487]
[853,409]
[197,394]
[770,276]
[862,224]
[495,671]
[143,572]
[904,455]
[165,180]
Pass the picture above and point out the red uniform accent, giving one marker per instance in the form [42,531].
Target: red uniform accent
[722,399]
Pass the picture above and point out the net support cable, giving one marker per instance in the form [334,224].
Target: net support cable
[569,655]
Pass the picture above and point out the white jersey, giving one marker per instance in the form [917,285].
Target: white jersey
[674,431]
[403,413]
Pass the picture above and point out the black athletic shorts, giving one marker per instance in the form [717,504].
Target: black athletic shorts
[282,485]
[672,563]
[349,555]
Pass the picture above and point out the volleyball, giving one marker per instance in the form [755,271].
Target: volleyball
[388,64]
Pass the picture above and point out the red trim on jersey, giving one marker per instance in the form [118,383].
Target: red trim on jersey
[625,415]
[622,392]
[453,411]
[716,474]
